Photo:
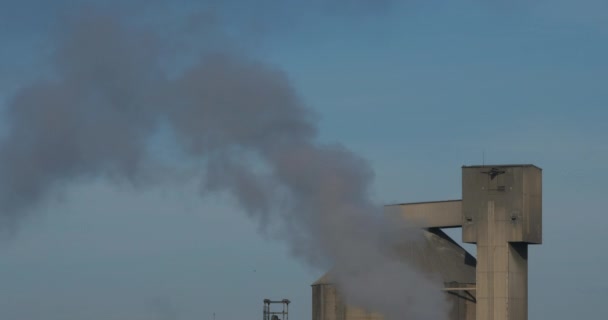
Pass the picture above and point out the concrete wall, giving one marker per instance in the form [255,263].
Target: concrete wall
[515,191]
[328,305]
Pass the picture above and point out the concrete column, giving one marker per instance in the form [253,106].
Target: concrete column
[502,267]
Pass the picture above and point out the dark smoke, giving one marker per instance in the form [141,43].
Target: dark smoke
[237,118]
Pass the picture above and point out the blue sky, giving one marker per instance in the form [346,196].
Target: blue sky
[418,88]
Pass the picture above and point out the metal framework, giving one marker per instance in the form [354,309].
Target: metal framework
[276,315]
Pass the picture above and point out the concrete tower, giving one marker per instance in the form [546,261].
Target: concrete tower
[502,214]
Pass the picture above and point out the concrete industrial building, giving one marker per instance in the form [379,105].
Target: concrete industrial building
[500,212]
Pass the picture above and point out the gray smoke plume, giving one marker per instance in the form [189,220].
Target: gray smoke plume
[241,120]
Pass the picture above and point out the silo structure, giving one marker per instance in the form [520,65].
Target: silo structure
[437,254]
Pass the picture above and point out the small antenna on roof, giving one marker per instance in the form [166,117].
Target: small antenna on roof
[483,157]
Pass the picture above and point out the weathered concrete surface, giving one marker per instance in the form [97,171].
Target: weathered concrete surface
[516,192]
[502,212]
[436,214]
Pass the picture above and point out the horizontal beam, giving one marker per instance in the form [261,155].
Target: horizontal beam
[459,289]
[437,214]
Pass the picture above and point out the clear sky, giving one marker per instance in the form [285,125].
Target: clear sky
[418,88]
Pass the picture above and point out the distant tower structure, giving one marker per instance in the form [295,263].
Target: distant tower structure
[500,212]
[269,314]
